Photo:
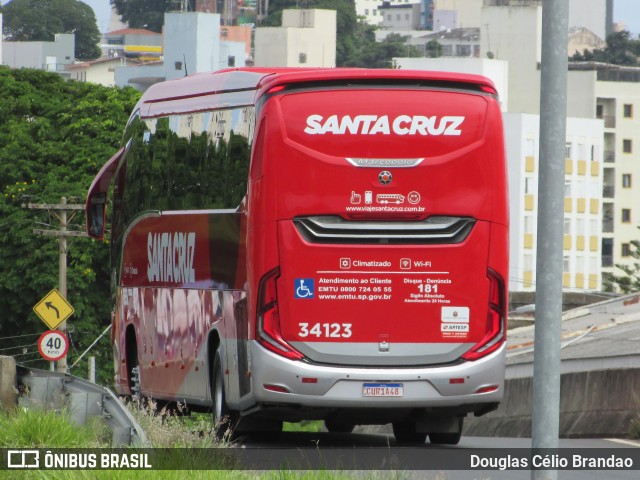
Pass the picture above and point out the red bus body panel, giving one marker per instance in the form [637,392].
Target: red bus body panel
[375,219]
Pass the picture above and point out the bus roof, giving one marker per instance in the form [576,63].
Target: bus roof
[263,79]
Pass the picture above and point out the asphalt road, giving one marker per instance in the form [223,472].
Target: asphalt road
[364,453]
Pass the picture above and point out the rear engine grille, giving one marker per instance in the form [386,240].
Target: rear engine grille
[433,230]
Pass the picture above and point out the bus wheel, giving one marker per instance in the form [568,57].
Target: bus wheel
[223,418]
[336,426]
[447,438]
[132,363]
[405,432]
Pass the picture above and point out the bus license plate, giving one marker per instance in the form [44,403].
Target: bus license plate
[382,390]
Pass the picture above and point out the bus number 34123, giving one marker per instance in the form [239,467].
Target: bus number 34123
[327,330]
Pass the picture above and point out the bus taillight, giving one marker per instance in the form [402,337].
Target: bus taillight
[496,320]
[269,334]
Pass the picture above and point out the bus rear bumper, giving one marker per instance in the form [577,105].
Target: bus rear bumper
[474,385]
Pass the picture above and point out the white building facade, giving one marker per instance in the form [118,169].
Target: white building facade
[612,94]
[583,201]
[191,45]
[307,38]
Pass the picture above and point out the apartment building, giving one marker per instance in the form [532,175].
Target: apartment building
[583,202]
[372,11]
[307,38]
[612,93]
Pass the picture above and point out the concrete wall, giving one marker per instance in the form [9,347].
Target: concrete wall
[191,38]
[50,56]
[307,38]
[514,34]
[601,403]
[496,70]
[8,390]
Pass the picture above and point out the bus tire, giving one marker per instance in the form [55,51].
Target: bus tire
[224,420]
[335,426]
[405,432]
[448,438]
[133,364]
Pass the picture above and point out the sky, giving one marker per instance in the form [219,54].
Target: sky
[627,11]
[103,11]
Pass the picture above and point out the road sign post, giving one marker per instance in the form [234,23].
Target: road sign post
[53,309]
[53,345]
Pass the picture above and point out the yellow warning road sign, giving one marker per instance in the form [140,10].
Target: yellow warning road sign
[53,309]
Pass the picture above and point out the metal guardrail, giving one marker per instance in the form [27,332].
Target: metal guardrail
[83,399]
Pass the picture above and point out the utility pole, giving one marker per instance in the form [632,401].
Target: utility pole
[553,117]
[64,212]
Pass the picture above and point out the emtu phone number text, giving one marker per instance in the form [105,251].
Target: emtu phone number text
[354,292]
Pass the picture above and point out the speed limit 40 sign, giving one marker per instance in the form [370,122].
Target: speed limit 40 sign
[53,345]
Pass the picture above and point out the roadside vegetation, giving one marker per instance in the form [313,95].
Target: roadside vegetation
[56,137]
[166,429]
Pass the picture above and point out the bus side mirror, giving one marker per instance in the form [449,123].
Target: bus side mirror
[96,214]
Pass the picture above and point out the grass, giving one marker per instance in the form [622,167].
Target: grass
[34,428]
[304,426]
[634,428]
[181,436]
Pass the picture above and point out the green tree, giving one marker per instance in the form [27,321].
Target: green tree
[629,280]
[40,20]
[434,49]
[147,14]
[56,137]
[621,49]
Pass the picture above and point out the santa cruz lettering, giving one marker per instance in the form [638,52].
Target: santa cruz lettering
[374,124]
[170,257]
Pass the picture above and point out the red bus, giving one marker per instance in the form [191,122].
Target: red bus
[294,244]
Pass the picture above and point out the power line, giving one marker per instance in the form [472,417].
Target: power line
[64,212]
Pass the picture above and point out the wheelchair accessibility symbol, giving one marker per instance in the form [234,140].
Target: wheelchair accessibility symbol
[304,288]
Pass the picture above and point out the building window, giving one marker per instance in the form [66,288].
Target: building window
[530,146]
[626,145]
[567,226]
[567,188]
[463,50]
[626,215]
[528,262]
[366,11]
[626,250]
[594,153]
[567,150]
[528,224]
[626,180]
[529,186]
[628,110]
[566,263]
[582,151]
[231,61]
[302,58]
